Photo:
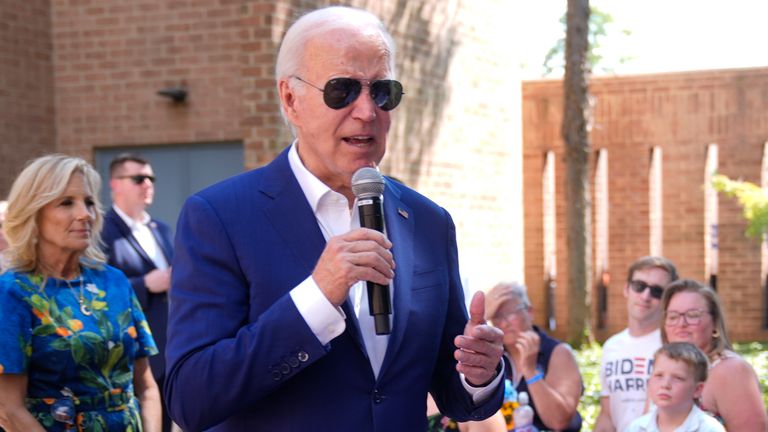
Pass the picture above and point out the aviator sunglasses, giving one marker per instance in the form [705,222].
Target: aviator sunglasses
[139,179]
[639,286]
[340,92]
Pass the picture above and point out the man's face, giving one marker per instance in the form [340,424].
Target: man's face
[643,307]
[129,195]
[333,144]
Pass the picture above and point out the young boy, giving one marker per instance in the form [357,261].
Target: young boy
[677,380]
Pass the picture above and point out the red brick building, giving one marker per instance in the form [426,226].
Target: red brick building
[82,76]
[655,139]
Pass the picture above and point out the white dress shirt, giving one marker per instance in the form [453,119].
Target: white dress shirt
[697,421]
[335,218]
[141,232]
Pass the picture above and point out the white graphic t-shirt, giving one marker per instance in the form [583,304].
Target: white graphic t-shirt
[624,372]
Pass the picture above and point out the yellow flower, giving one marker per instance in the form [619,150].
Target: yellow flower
[132,331]
[63,332]
[76,325]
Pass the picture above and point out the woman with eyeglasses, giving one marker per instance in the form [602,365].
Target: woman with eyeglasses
[536,363]
[692,313]
[74,341]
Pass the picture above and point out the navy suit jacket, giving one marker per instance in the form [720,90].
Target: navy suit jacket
[124,252]
[240,355]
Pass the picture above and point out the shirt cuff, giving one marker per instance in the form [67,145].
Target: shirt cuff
[324,319]
[482,394]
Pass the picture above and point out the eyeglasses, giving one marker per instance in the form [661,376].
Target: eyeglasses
[639,286]
[499,319]
[691,317]
[341,92]
[139,178]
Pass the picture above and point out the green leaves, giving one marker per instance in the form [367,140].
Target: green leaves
[752,198]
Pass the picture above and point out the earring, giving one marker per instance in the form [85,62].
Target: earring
[715,334]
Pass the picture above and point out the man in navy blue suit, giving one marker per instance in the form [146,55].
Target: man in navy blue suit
[140,246]
[269,326]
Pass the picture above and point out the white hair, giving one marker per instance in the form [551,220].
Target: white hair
[290,57]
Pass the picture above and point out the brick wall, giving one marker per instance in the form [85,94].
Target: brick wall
[112,57]
[681,113]
[456,137]
[26,86]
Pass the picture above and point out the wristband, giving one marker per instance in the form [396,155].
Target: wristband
[534,378]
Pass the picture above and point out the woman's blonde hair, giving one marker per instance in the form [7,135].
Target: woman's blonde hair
[42,181]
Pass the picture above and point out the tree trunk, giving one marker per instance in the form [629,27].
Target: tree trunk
[576,136]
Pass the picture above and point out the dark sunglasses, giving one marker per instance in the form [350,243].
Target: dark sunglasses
[139,179]
[341,92]
[639,286]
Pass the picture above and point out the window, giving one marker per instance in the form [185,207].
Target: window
[601,236]
[655,211]
[550,236]
[710,217]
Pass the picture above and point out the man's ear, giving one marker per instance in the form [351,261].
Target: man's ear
[287,99]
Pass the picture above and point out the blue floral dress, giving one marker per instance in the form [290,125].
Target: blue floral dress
[78,357]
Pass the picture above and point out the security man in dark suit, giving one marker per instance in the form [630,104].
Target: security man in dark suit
[140,246]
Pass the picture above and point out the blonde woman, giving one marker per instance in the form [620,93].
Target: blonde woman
[73,339]
[692,313]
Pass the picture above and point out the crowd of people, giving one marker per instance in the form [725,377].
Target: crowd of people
[265,302]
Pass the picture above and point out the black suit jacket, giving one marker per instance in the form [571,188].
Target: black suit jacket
[124,252]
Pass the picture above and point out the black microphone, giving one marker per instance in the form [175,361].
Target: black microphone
[368,186]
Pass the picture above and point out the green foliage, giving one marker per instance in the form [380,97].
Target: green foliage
[756,354]
[752,198]
[588,358]
[598,22]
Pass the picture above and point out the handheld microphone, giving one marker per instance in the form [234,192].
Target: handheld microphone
[368,187]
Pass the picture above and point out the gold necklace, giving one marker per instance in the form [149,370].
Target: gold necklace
[81,298]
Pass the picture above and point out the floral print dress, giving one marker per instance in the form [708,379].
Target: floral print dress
[76,341]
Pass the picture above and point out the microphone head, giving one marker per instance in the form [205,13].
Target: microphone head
[367,182]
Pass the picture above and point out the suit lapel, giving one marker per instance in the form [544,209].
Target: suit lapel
[292,217]
[161,241]
[126,231]
[400,231]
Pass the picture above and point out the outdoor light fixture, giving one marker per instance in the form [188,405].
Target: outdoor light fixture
[177,94]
